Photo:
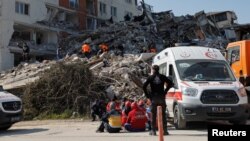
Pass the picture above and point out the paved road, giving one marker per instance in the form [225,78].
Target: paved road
[76,130]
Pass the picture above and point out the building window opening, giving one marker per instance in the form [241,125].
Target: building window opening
[22,8]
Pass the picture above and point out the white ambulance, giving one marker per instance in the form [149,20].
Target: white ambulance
[205,86]
[10,109]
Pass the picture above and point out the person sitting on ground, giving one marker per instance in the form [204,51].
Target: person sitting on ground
[137,119]
[124,100]
[125,112]
[111,121]
[141,105]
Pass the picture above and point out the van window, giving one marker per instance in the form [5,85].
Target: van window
[204,70]
[163,69]
[173,76]
[233,54]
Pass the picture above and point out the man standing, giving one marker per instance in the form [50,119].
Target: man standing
[26,51]
[157,96]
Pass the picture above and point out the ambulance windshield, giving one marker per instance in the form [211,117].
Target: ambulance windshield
[204,70]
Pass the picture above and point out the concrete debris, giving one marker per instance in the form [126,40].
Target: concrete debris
[123,74]
[26,73]
[119,74]
[164,30]
[131,35]
[196,29]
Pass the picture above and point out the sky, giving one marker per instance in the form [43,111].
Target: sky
[184,7]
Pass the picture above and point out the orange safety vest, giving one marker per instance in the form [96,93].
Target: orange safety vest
[104,47]
[85,48]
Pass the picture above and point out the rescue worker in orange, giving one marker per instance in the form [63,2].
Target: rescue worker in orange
[86,49]
[103,48]
[136,119]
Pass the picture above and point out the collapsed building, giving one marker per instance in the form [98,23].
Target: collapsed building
[205,29]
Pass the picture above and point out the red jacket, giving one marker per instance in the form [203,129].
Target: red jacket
[137,118]
[124,118]
[117,107]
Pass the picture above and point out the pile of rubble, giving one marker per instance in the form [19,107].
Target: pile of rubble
[25,73]
[164,29]
[89,79]
[126,74]
[195,29]
[134,37]
[123,74]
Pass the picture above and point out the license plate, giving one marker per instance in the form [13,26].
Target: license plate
[15,119]
[221,109]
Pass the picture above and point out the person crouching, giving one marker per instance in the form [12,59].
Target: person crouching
[137,119]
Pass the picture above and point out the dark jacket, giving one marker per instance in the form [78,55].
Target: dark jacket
[157,82]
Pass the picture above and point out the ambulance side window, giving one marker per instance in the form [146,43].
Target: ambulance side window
[163,69]
[172,75]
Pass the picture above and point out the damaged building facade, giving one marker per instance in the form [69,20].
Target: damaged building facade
[83,13]
[40,24]
[18,24]
[117,9]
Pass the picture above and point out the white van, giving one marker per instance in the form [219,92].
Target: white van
[10,109]
[205,86]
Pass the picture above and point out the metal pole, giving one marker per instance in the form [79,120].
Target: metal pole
[160,124]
